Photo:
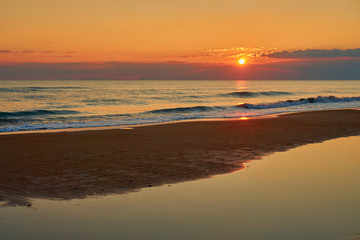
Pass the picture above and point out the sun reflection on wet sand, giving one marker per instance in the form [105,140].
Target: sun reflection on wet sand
[278,196]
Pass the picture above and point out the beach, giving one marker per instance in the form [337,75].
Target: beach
[80,164]
[179,120]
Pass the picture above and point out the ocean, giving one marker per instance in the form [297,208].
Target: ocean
[62,104]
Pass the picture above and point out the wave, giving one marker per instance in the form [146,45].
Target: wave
[289,103]
[35,89]
[35,113]
[105,102]
[23,121]
[186,109]
[255,94]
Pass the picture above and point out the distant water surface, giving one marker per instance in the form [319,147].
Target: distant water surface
[35,105]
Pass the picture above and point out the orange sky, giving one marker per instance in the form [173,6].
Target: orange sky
[177,30]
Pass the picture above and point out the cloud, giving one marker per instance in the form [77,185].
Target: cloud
[26,51]
[316,53]
[203,55]
[232,53]
[238,52]
[16,52]
[5,51]
[259,54]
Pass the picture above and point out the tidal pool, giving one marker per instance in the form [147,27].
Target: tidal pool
[310,192]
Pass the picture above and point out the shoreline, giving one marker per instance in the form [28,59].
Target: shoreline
[129,127]
[132,126]
[79,164]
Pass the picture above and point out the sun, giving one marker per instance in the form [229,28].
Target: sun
[241,61]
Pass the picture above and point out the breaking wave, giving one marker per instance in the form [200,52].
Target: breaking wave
[255,94]
[289,103]
[35,113]
[35,89]
[186,110]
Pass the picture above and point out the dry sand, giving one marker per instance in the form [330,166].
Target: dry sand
[67,165]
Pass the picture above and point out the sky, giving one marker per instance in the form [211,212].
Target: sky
[179,39]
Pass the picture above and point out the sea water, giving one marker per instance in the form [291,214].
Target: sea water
[61,104]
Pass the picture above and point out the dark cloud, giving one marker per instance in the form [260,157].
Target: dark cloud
[5,51]
[25,52]
[335,69]
[317,53]
[198,55]
[17,52]
[22,52]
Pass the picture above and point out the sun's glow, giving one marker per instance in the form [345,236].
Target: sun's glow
[244,118]
[241,61]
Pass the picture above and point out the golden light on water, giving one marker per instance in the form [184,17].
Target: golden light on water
[242,61]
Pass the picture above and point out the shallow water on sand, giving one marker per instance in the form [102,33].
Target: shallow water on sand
[310,192]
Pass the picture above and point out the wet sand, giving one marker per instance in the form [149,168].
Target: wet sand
[67,165]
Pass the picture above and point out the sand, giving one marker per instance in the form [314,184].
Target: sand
[67,165]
